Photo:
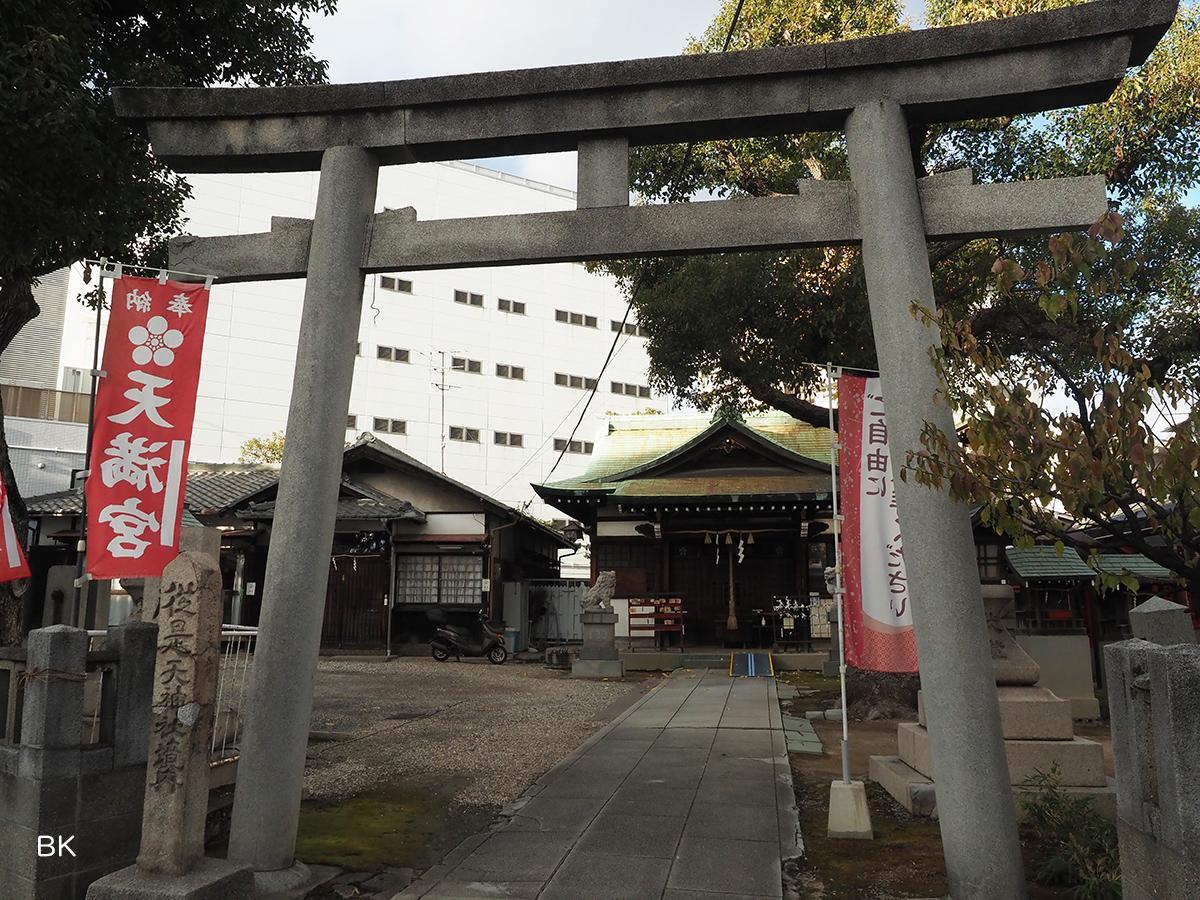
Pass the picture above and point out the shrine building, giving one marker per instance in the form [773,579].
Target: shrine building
[731,517]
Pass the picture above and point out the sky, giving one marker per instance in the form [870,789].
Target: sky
[379,40]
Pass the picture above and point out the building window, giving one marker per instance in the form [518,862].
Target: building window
[989,557]
[390,426]
[561,444]
[517,373]
[516,307]
[351,423]
[630,390]
[462,364]
[578,382]
[400,285]
[439,579]
[574,318]
[468,299]
[629,328]
[461,433]
[508,439]
[395,354]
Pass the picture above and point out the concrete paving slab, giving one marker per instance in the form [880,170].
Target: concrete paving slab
[623,835]
[485,890]
[602,876]
[742,823]
[515,856]
[654,800]
[670,894]
[572,814]
[701,738]
[725,866]
[691,788]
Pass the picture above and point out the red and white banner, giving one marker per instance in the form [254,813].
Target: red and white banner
[13,564]
[878,609]
[143,426]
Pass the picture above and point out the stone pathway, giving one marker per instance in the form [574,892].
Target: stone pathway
[687,796]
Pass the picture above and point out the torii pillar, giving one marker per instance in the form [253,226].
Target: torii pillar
[266,807]
[939,552]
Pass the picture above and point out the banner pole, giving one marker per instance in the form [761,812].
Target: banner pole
[81,544]
[835,446]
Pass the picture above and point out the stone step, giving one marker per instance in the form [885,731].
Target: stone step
[1026,713]
[917,794]
[1080,761]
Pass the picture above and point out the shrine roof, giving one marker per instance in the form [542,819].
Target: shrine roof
[349,508]
[1044,561]
[629,457]
[1134,564]
[212,489]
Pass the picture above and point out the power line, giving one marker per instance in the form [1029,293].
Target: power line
[638,277]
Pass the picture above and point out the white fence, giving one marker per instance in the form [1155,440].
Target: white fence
[237,663]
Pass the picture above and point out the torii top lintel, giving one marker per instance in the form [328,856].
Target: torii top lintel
[1063,57]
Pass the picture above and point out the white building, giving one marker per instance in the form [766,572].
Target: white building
[489,366]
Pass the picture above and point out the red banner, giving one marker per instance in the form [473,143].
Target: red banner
[143,426]
[13,564]
[878,612]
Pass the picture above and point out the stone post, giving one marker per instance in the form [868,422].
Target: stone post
[279,709]
[978,824]
[51,719]
[1162,622]
[603,173]
[185,685]
[136,643]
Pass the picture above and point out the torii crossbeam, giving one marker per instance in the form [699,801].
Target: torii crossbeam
[874,89]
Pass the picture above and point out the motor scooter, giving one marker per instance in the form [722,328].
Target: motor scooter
[477,639]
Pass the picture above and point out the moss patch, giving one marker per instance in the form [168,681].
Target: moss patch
[387,826]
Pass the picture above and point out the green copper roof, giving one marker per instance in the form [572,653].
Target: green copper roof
[1044,561]
[636,441]
[1134,564]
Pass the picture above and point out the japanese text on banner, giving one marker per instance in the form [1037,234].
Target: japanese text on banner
[143,426]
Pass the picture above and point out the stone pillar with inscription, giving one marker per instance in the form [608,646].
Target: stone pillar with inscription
[171,862]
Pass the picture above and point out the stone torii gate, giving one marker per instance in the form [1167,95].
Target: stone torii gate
[875,89]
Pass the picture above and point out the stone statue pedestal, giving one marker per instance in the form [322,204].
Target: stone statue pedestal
[598,658]
[1036,724]
[209,879]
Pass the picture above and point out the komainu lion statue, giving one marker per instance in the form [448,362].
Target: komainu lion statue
[600,594]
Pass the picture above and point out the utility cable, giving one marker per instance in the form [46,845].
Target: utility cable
[639,276]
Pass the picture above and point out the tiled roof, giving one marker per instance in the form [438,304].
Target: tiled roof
[1134,564]
[212,488]
[369,442]
[349,508]
[722,486]
[1044,561]
[633,442]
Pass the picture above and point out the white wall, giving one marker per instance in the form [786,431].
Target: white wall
[250,343]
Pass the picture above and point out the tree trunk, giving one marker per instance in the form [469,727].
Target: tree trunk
[17,309]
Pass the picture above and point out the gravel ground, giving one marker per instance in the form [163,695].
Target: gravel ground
[483,731]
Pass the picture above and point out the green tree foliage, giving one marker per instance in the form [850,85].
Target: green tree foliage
[75,181]
[263,450]
[742,329]
[1101,434]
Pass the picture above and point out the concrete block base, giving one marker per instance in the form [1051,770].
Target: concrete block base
[849,817]
[1080,761]
[597,668]
[910,788]
[1150,870]
[211,879]
[1027,713]
[918,795]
